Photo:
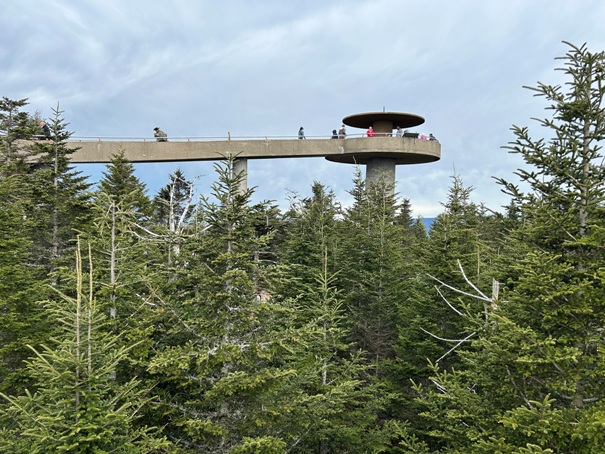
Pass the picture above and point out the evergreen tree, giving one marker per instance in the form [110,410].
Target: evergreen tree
[461,247]
[15,125]
[331,402]
[77,405]
[23,281]
[126,258]
[173,203]
[173,208]
[383,267]
[531,380]
[371,260]
[119,230]
[60,201]
[455,235]
[121,184]
[214,360]
[21,286]
[310,240]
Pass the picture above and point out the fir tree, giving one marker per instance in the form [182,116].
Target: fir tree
[23,280]
[16,126]
[173,207]
[310,242]
[59,198]
[77,405]
[126,258]
[214,360]
[371,259]
[21,286]
[332,402]
[531,380]
[121,184]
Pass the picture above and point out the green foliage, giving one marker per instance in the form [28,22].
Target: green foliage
[21,285]
[172,204]
[530,380]
[60,201]
[126,257]
[16,126]
[310,240]
[371,255]
[326,369]
[217,348]
[120,183]
[77,404]
[321,330]
[39,211]
[566,175]
[263,445]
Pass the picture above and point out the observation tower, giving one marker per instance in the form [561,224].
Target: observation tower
[380,154]
[383,152]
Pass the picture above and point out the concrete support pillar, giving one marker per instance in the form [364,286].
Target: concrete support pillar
[240,167]
[383,128]
[380,169]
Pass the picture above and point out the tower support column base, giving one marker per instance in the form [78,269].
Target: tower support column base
[381,171]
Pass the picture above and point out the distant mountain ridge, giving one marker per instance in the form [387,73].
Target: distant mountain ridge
[428,222]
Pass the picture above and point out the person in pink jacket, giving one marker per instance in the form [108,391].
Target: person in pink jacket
[370,132]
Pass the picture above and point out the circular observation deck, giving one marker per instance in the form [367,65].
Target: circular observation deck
[383,122]
[408,149]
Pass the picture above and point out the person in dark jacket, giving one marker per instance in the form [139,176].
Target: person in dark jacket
[44,131]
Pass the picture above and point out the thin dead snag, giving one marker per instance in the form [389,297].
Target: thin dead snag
[488,302]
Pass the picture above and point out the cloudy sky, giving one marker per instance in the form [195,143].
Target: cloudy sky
[255,68]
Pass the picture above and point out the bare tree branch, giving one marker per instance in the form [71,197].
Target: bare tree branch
[473,286]
[479,297]
[448,303]
[455,346]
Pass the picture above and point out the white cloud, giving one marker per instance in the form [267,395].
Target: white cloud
[201,68]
